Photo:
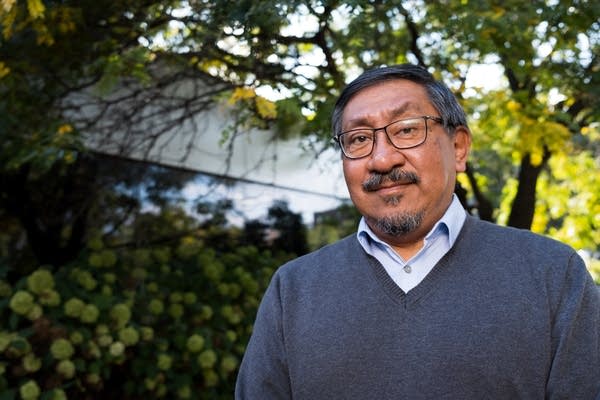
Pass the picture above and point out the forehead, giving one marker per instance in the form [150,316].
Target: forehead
[388,99]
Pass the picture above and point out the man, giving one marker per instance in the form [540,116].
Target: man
[425,302]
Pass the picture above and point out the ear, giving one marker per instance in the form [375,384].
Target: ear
[462,145]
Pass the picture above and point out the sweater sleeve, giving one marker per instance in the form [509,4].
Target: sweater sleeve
[263,372]
[575,367]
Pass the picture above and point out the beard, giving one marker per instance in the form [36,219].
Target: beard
[398,224]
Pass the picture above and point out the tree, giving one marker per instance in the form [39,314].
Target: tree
[124,75]
[541,115]
[553,51]
[61,209]
[333,225]
[289,230]
[281,229]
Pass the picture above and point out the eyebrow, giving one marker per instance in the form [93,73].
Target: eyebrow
[395,113]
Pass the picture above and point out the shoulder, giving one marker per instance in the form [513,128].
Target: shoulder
[328,268]
[521,243]
[327,257]
[518,254]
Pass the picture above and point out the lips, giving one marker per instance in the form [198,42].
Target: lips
[392,186]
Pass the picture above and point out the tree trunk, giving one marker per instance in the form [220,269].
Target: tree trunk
[483,207]
[523,206]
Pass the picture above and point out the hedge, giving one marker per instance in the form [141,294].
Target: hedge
[163,322]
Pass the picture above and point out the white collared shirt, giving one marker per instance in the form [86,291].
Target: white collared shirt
[409,273]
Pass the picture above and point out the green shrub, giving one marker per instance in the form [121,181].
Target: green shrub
[168,322]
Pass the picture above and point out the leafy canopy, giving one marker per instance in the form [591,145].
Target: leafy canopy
[284,62]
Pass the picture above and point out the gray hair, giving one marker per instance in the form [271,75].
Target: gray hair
[439,94]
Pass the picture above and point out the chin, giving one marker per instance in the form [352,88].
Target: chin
[397,224]
[392,200]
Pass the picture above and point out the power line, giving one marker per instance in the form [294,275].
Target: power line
[272,185]
[225,176]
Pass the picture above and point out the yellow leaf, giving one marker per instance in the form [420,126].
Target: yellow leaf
[498,12]
[64,129]
[591,131]
[266,109]
[36,8]
[65,20]
[540,219]
[536,158]
[43,34]
[555,136]
[8,21]
[241,93]
[7,5]
[306,47]
[69,157]
[513,106]
[209,65]
[4,70]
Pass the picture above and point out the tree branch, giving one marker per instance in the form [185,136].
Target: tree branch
[414,34]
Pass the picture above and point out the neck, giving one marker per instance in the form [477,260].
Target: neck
[408,251]
[407,242]
[406,245]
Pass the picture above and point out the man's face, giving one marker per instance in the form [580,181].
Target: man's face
[402,209]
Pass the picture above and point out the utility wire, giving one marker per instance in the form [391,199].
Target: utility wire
[226,176]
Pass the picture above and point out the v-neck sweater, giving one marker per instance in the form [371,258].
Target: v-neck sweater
[408,273]
[504,314]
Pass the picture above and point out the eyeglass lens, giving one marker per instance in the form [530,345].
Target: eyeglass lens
[402,134]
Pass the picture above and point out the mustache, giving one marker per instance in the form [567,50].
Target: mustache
[376,179]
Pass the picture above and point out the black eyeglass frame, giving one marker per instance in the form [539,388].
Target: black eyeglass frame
[336,139]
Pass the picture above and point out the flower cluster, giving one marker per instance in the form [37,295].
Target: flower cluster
[169,322]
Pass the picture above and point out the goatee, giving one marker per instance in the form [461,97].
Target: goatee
[398,224]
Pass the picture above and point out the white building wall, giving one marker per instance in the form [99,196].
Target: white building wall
[281,168]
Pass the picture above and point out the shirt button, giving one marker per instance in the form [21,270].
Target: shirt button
[407,269]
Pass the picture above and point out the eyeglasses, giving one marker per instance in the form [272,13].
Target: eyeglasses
[402,134]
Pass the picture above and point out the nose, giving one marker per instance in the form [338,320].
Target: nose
[384,156]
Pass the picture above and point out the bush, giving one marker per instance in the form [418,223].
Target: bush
[163,322]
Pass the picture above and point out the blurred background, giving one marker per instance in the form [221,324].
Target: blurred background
[159,160]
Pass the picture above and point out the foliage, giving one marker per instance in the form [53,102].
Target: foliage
[168,321]
[47,50]
[159,303]
[92,292]
[290,229]
[333,225]
[50,214]
[299,54]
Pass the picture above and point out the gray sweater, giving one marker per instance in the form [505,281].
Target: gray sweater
[505,314]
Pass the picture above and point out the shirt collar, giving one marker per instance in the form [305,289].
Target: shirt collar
[451,223]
